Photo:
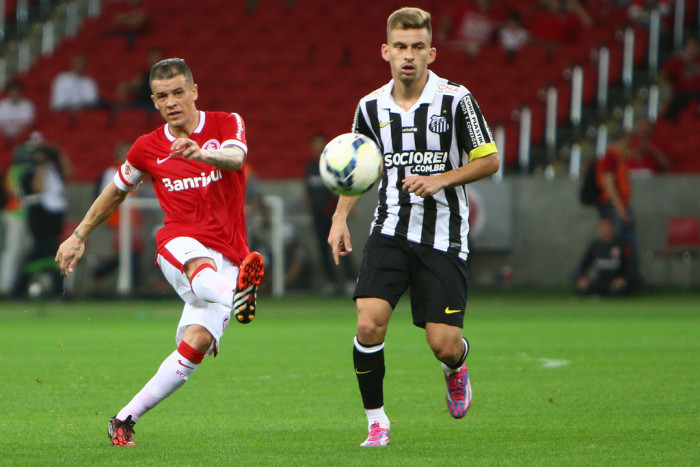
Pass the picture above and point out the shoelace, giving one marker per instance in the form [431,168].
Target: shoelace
[375,431]
[456,386]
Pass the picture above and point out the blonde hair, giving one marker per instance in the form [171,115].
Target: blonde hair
[409,18]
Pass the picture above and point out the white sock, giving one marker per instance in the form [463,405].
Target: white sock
[450,370]
[212,287]
[377,415]
[171,375]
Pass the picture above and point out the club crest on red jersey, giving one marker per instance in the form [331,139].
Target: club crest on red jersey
[211,145]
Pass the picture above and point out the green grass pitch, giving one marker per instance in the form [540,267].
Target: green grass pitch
[557,380]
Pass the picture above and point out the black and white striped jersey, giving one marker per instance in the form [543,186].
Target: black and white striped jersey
[442,131]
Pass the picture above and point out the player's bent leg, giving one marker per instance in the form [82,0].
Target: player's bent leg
[451,349]
[250,274]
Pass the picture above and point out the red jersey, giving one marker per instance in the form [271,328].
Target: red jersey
[615,162]
[199,200]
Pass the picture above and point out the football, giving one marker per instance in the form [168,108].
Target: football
[350,164]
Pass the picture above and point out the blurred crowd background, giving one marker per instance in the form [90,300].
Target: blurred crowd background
[565,84]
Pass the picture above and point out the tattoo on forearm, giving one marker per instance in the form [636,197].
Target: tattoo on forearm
[225,161]
[75,232]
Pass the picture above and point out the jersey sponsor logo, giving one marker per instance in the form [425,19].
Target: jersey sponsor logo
[192,182]
[449,311]
[383,124]
[426,162]
[439,124]
[447,89]
[409,129]
[239,121]
[472,122]
[160,161]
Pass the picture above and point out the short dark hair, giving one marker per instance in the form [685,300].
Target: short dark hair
[170,68]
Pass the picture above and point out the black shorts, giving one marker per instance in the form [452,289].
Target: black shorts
[438,280]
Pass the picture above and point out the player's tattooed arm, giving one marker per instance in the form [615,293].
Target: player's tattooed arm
[226,158]
[72,248]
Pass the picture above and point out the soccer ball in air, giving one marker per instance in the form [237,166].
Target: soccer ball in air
[350,164]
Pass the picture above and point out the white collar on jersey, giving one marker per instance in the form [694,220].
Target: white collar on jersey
[385,101]
[166,128]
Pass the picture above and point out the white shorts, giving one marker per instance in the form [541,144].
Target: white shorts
[214,317]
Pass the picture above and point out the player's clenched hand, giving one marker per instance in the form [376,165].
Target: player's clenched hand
[339,240]
[187,149]
[70,251]
[422,185]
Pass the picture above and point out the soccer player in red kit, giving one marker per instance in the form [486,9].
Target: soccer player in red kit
[195,160]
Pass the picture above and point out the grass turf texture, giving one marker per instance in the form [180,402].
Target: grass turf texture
[557,380]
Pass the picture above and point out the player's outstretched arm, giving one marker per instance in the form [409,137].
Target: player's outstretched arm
[72,249]
[227,158]
[339,236]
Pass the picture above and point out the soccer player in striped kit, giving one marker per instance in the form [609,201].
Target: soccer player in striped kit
[195,161]
[435,141]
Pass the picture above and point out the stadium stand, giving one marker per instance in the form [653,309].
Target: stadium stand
[292,68]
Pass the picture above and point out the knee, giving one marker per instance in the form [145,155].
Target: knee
[370,328]
[370,332]
[446,350]
[198,338]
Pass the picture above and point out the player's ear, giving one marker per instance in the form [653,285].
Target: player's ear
[195,93]
[385,52]
[432,56]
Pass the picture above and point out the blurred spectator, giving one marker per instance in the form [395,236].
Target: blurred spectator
[131,22]
[513,36]
[107,265]
[257,219]
[14,223]
[470,27]
[682,71]
[639,11]
[75,89]
[558,22]
[298,270]
[603,268]
[16,112]
[136,92]
[46,205]
[322,204]
[614,203]
[647,157]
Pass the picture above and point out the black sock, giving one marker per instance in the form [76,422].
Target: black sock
[370,369]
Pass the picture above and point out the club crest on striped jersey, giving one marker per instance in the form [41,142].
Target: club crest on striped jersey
[439,124]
